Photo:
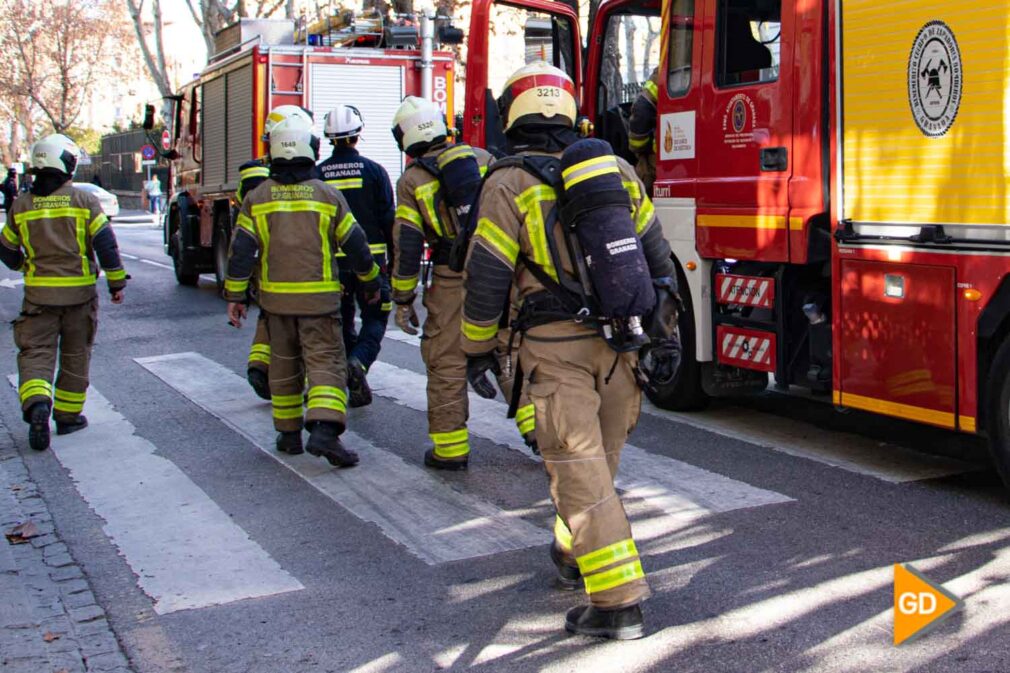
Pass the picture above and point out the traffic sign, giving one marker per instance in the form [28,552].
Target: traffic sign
[148,152]
[166,140]
[148,162]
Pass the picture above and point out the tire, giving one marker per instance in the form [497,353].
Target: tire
[184,274]
[997,405]
[684,393]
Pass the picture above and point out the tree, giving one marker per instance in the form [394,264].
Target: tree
[56,51]
[154,56]
[213,15]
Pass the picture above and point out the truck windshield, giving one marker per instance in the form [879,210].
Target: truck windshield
[748,40]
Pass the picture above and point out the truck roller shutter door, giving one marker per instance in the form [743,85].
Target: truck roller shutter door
[376,90]
[240,121]
[213,124]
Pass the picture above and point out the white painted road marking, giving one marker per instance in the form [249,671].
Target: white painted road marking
[11,283]
[850,452]
[669,485]
[410,506]
[185,550]
[157,264]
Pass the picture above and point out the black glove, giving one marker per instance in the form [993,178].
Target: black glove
[663,361]
[370,290]
[477,367]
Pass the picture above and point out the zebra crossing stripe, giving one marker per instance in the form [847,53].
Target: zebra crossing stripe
[410,505]
[672,486]
[161,521]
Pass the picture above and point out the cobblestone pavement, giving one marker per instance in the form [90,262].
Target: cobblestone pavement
[49,619]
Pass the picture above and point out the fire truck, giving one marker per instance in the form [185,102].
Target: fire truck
[832,176]
[261,64]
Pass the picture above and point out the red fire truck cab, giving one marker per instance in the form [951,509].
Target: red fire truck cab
[832,176]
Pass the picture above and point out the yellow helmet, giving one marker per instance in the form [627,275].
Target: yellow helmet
[538,93]
[417,125]
[282,112]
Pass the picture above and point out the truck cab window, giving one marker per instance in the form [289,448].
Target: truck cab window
[748,41]
[520,36]
[681,48]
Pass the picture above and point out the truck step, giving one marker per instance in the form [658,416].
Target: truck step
[746,348]
[736,290]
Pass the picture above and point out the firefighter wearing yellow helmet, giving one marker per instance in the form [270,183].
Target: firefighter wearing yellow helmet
[577,368]
[296,222]
[250,175]
[54,234]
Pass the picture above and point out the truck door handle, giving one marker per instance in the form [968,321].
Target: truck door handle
[774,159]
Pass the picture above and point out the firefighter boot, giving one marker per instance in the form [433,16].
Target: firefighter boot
[357,384]
[38,428]
[66,427]
[621,624]
[257,378]
[531,441]
[569,576]
[290,443]
[433,461]
[324,440]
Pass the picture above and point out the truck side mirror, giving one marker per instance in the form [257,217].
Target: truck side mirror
[148,117]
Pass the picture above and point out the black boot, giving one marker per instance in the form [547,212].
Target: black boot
[290,443]
[38,428]
[569,576]
[257,378]
[433,461]
[531,441]
[324,440]
[357,384]
[66,427]
[621,624]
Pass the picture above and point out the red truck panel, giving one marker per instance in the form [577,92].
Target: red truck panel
[746,348]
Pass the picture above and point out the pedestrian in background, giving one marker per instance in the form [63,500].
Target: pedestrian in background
[153,189]
[9,189]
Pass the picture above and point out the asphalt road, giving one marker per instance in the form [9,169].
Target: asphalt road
[769,528]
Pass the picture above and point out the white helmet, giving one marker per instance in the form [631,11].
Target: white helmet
[343,121]
[282,112]
[56,151]
[417,125]
[292,138]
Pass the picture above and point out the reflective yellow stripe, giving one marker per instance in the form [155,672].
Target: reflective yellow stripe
[327,251]
[498,239]
[526,419]
[116,274]
[57,281]
[287,414]
[374,273]
[452,450]
[386,307]
[426,195]
[453,153]
[612,553]
[236,286]
[631,186]
[286,400]
[483,171]
[52,213]
[68,396]
[97,223]
[652,89]
[294,207]
[33,387]
[409,214]
[529,204]
[259,357]
[644,215]
[254,172]
[590,168]
[636,143]
[377,248]
[327,403]
[11,235]
[80,217]
[345,226]
[309,287]
[347,183]
[332,391]
[562,534]
[615,577]
[404,284]
[907,411]
[453,437]
[478,333]
[68,407]
[245,222]
[260,348]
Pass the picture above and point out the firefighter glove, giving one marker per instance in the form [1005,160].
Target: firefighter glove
[406,318]
[477,367]
[370,290]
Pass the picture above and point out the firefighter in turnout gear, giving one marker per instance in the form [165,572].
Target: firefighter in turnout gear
[288,231]
[642,131]
[54,233]
[424,213]
[250,175]
[585,394]
[365,186]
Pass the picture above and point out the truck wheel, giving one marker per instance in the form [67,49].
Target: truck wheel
[184,273]
[220,257]
[684,392]
[998,407]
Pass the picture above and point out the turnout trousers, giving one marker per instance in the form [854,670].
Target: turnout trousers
[259,353]
[364,345]
[306,349]
[44,334]
[586,405]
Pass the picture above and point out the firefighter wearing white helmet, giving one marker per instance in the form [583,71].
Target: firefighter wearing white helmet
[59,314]
[250,175]
[434,197]
[583,391]
[299,292]
[365,185]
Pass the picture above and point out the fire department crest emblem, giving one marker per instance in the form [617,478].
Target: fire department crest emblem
[935,79]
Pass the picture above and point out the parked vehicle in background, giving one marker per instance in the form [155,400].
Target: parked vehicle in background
[109,201]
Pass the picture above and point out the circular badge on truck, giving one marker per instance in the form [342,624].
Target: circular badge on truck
[935,79]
